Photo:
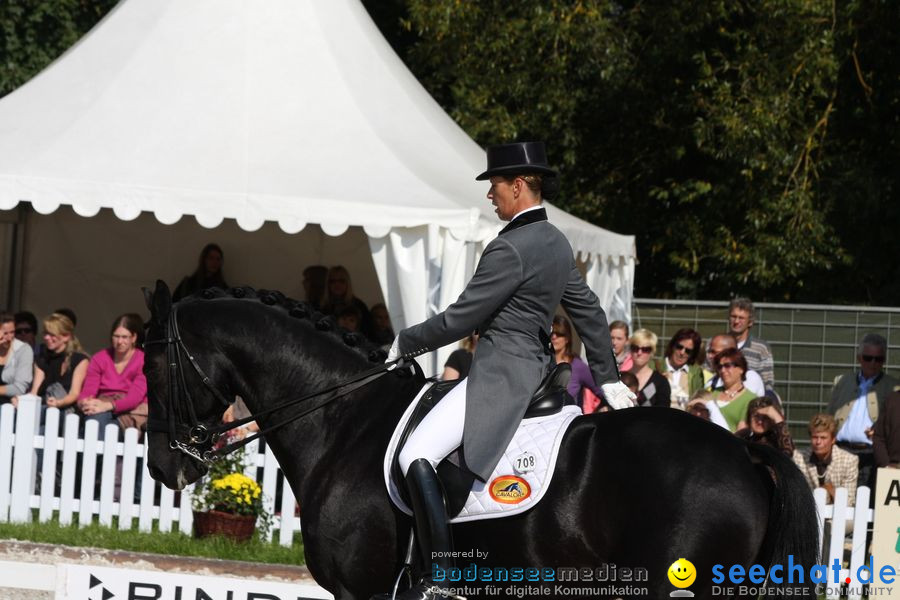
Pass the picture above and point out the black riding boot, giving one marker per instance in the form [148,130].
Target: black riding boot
[432,530]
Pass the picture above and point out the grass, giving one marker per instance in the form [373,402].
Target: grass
[156,542]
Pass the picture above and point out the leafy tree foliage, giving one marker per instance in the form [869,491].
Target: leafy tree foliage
[699,127]
[34,32]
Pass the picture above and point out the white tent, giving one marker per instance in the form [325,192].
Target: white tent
[245,115]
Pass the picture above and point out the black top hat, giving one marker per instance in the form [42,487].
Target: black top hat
[520,158]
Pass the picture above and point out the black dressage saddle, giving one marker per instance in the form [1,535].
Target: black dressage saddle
[550,397]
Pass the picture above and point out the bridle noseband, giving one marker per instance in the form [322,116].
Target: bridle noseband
[179,401]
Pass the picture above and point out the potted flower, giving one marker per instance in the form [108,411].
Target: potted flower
[227,502]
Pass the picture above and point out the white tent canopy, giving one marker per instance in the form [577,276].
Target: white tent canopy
[295,112]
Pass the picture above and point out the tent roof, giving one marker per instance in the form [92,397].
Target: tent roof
[293,111]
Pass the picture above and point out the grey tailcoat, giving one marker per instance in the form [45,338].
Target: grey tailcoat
[523,275]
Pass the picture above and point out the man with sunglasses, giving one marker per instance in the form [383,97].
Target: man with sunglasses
[858,398]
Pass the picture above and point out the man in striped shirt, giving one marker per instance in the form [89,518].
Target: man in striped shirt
[756,351]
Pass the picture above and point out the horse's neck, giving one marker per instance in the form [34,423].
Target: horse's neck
[347,435]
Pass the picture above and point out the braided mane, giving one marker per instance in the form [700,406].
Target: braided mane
[296,309]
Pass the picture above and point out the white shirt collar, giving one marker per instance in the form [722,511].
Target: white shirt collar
[520,213]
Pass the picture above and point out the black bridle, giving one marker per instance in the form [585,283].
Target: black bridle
[180,404]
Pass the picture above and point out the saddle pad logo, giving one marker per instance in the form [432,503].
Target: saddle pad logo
[509,489]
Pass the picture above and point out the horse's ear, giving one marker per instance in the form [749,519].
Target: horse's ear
[159,301]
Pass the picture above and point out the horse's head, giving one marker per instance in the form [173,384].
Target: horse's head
[174,415]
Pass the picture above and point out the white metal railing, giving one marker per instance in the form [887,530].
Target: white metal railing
[25,453]
[839,515]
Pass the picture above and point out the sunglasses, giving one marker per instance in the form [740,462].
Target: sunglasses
[557,334]
[644,349]
[870,358]
[681,348]
[725,365]
[24,330]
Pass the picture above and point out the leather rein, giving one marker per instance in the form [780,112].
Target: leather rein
[179,402]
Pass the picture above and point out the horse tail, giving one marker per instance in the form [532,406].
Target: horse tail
[792,531]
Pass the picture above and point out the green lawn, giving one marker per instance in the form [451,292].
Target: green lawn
[155,542]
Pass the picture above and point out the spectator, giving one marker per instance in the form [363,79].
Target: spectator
[16,360]
[618,333]
[766,425]
[60,370]
[886,438]
[459,361]
[314,281]
[653,387]
[348,317]
[857,399]
[382,330]
[827,466]
[757,352]
[718,343]
[581,379]
[26,328]
[340,292]
[208,274]
[115,387]
[734,397]
[680,368]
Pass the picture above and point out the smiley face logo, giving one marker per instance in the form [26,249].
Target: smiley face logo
[682,573]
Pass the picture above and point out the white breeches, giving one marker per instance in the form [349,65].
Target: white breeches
[440,432]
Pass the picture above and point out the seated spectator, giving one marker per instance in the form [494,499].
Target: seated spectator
[825,465]
[314,281]
[16,360]
[209,273]
[115,386]
[732,401]
[653,388]
[618,334]
[340,292]
[26,328]
[857,400]
[581,379]
[348,317]
[886,437]
[238,410]
[60,370]
[718,343]
[382,330]
[460,360]
[698,406]
[766,425]
[680,368]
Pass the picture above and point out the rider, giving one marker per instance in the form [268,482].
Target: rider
[523,275]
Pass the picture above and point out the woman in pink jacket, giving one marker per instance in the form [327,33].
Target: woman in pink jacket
[115,386]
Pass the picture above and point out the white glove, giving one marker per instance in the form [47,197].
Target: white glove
[394,352]
[618,395]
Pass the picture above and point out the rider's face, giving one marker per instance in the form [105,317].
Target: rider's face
[503,196]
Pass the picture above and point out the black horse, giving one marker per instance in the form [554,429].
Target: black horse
[636,488]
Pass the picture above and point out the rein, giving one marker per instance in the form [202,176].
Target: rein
[179,401]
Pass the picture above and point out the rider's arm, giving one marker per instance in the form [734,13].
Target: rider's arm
[499,273]
[587,316]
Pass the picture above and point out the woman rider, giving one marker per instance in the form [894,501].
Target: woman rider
[523,275]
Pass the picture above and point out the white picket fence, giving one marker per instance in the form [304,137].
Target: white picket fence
[839,514]
[21,441]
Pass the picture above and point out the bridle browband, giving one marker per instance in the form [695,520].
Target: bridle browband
[179,400]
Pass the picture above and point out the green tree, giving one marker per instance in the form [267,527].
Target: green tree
[699,127]
[34,32]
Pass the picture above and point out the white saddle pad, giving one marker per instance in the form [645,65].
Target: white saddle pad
[521,477]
